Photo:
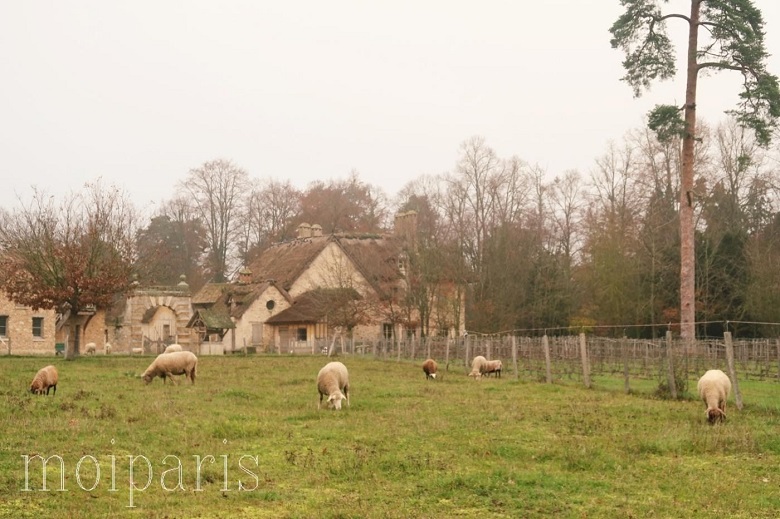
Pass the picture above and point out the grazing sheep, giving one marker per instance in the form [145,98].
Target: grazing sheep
[476,366]
[90,348]
[492,366]
[714,388]
[108,348]
[333,382]
[429,368]
[45,378]
[169,364]
[172,347]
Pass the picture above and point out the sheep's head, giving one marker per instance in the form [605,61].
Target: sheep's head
[147,378]
[715,415]
[335,399]
[433,376]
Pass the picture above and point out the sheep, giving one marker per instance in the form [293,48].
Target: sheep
[108,348]
[714,388]
[476,366]
[492,366]
[429,368]
[45,378]
[333,382]
[172,347]
[90,348]
[169,364]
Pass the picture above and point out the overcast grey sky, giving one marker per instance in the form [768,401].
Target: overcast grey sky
[139,92]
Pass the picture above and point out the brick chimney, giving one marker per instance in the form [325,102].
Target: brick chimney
[304,230]
[244,276]
[405,226]
[316,230]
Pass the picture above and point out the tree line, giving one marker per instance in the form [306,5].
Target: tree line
[530,252]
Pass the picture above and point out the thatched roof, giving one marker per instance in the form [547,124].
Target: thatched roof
[285,262]
[230,300]
[312,306]
[375,256]
[210,319]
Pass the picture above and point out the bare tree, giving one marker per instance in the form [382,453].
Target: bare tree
[74,255]
[216,191]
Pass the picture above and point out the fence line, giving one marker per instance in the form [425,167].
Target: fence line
[581,357]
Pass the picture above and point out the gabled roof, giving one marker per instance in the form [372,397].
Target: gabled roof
[210,319]
[285,262]
[232,299]
[312,306]
[209,294]
[375,256]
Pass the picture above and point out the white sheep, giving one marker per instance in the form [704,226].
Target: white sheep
[172,347]
[476,366]
[108,348]
[333,382]
[46,378]
[430,368]
[492,366]
[714,388]
[90,348]
[169,364]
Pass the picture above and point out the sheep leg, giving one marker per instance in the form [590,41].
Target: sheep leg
[55,390]
[346,393]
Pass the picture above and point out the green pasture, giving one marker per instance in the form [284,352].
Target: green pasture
[405,448]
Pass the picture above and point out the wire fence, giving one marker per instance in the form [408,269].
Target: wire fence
[670,362]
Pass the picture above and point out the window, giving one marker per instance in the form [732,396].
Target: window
[387,330]
[3,325]
[301,335]
[270,304]
[37,326]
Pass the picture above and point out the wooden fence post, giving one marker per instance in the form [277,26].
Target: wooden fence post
[584,358]
[546,348]
[427,347]
[447,355]
[514,357]
[468,352]
[624,350]
[670,366]
[732,369]
[414,347]
[777,343]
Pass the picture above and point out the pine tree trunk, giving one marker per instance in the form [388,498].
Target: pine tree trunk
[687,252]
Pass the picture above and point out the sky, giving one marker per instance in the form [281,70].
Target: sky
[139,92]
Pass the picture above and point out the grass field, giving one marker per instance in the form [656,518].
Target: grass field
[405,448]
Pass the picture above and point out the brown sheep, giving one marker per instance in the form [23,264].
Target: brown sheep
[45,379]
[430,368]
[492,366]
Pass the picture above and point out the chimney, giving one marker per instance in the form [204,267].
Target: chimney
[316,230]
[406,226]
[304,230]
[245,276]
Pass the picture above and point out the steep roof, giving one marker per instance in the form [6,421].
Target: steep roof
[232,299]
[375,256]
[312,306]
[209,294]
[285,262]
